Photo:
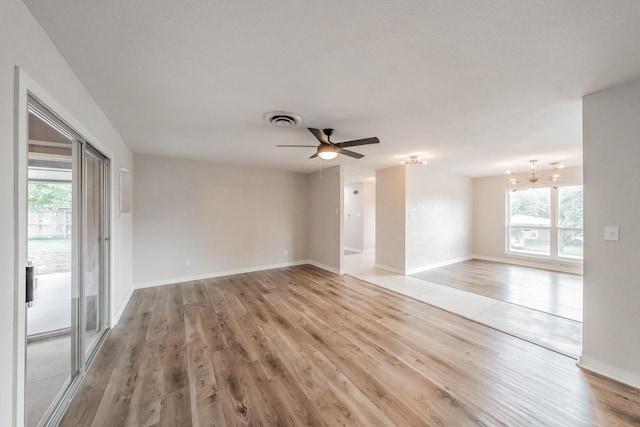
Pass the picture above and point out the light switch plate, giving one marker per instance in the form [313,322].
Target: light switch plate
[612,233]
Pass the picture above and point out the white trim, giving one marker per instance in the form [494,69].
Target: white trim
[391,269]
[621,375]
[360,251]
[554,256]
[348,248]
[118,313]
[182,279]
[554,265]
[23,84]
[325,267]
[436,265]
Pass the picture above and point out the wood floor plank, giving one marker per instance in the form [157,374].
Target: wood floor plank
[548,291]
[206,407]
[300,346]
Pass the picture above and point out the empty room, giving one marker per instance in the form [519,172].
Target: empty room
[319,213]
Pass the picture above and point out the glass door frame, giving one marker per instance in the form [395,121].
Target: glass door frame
[73,313]
[26,88]
[105,246]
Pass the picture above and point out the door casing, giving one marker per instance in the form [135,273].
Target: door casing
[24,87]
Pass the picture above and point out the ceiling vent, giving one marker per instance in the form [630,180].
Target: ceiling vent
[283,119]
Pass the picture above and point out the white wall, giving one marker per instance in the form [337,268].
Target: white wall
[368,216]
[611,339]
[360,217]
[390,219]
[25,44]
[326,207]
[439,226]
[354,217]
[490,221]
[221,218]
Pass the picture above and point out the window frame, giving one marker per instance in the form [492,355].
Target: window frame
[554,228]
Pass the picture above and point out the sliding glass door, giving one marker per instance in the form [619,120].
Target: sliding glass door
[95,248]
[67,245]
[52,246]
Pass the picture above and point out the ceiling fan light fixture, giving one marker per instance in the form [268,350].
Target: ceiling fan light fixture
[327,152]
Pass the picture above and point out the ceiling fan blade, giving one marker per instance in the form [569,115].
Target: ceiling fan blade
[350,153]
[314,155]
[355,142]
[311,146]
[319,135]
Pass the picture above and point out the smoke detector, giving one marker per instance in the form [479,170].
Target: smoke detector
[283,119]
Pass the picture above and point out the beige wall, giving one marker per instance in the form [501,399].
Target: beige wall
[354,217]
[218,218]
[489,217]
[439,226]
[390,218]
[326,206]
[369,216]
[611,340]
[26,45]
[360,216]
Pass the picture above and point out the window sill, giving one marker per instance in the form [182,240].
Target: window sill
[547,260]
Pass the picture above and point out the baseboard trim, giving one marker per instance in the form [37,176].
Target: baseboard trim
[360,251]
[212,275]
[118,314]
[436,265]
[606,370]
[324,267]
[391,269]
[545,265]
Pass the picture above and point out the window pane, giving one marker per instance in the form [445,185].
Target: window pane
[531,240]
[530,207]
[570,206]
[570,243]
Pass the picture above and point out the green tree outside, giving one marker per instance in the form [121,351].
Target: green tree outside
[49,196]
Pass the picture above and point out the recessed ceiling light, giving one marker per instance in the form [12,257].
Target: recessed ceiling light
[283,119]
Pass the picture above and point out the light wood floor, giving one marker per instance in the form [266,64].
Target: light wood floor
[548,291]
[299,346]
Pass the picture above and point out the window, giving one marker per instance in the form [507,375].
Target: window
[570,236]
[546,222]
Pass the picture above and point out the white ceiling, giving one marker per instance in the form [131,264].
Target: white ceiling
[477,87]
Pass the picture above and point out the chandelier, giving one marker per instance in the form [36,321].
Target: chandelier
[414,160]
[531,180]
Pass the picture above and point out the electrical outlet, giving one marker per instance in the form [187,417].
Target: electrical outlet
[187,263]
[286,251]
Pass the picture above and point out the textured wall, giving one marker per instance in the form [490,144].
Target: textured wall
[611,343]
[326,192]
[390,218]
[439,227]
[25,44]
[216,218]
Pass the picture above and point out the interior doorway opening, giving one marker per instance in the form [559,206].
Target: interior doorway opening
[359,220]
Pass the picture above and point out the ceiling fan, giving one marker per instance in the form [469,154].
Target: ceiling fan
[328,150]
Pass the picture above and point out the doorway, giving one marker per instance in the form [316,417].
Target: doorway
[359,220]
[67,238]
